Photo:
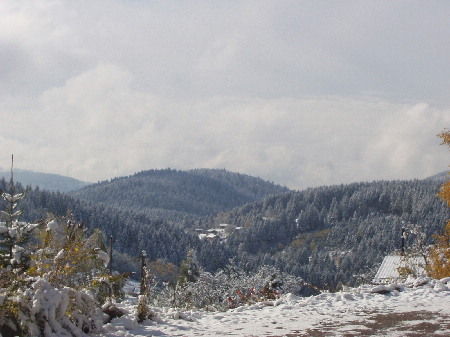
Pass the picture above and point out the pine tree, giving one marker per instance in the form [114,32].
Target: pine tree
[13,233]
[189,269]
[48,291]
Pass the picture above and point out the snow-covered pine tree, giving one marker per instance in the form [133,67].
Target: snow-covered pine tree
[189,269]
[13,233]
[56,289]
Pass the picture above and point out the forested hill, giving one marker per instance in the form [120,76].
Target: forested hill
[46,181]
[132,231]
[440,177]
[169,192]
[330,234]
[326,235]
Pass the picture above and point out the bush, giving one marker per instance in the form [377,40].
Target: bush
[60,292]
[228,289]
[439,266]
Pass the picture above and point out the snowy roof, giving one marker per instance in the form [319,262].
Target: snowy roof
[206,236]
[388,270]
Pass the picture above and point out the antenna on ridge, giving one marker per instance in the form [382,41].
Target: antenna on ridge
[12,167]
[11,182]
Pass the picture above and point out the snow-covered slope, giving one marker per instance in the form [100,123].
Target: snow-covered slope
[440,177]
[416,308]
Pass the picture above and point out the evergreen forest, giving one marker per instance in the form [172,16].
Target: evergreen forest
[330,236]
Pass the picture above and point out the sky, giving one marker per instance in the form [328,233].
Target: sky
[301,93]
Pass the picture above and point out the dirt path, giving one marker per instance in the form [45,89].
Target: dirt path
[404,324]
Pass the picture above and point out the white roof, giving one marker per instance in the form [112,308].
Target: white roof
[206,236]
[388,270]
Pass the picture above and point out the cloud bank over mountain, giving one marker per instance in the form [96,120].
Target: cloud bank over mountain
[300,93]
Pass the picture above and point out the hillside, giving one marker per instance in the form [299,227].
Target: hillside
[171,193]
[132,232]
[440,177]
[417,308]
[45,181]
[331,235]
[328,236]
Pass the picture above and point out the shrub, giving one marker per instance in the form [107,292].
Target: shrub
[229,288]
[59,294]
[439,266]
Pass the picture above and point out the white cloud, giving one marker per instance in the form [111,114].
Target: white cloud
[302,93]
[235,48]
[97,126]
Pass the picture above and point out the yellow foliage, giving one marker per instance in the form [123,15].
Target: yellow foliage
[439,256]
[311,238]
[162,270]
[69,259]
[445,135]
[405,271]
[444,193]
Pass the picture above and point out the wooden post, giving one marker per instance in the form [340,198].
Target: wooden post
[110,253]
[110,290]
[143,276]
[403,242]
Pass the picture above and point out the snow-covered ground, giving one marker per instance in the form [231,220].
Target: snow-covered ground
[416,310]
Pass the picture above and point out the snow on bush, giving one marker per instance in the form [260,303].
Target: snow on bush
[60,290]
[51,286]
[228,289]
[44,310]
[40,309]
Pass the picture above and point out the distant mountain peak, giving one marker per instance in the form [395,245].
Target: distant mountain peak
[441,176]
[193,192]
[45,181]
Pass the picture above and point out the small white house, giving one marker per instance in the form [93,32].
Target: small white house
[389,269]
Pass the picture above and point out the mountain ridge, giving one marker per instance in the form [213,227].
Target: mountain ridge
[326,235]
[196,192]
[440,177]
[46,181]
[329,234]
